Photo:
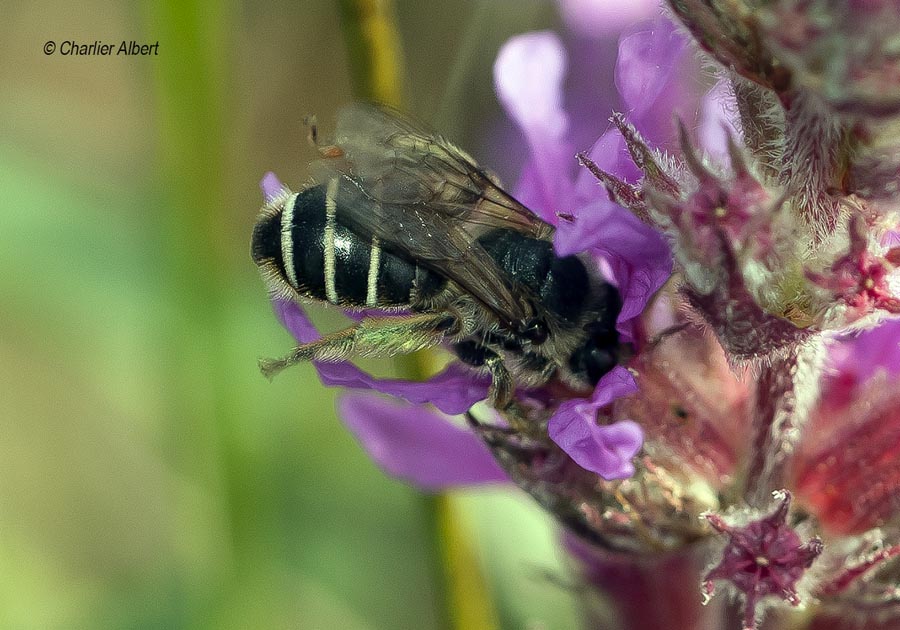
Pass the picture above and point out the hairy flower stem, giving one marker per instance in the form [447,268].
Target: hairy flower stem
[772,416]
[726,30]
[762,120]
[816,149]
[772,412]
[784,388]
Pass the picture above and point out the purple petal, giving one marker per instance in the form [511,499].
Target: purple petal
[271,186]
[890,239]
[416,445]
[605,450]
[596,18]
[717,109]
[452,391]
[611,155]
[530,191]
[659,82]
[638,255]
[528,77]
[646,62]
[588,99]
[861,356]
[617,383]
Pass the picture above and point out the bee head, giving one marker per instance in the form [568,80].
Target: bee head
[598,355]
[534,330]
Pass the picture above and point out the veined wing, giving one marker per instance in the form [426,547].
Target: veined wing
[423,196]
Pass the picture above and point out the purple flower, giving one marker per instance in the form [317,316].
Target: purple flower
[750,410]
[841,471]
[764,557]
[772,190]
[845,469]
[635,256]
[271,187]
[593,18]
[528,77]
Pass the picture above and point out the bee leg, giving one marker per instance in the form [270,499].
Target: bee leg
[479,355]
[371,337]
[500,395]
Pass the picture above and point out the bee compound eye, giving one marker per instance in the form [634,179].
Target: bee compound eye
[535,331]
[593,361]
[598,362]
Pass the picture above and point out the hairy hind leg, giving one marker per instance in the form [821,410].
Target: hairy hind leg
[371,337]
[388,336]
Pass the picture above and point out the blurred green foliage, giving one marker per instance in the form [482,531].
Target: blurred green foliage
[150,477]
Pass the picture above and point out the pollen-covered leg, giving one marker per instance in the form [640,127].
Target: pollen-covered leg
[371,337]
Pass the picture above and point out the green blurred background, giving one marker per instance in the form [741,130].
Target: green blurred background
[150,477]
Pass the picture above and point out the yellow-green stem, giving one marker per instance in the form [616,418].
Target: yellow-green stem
[374,52]
[373,49]
[191,84]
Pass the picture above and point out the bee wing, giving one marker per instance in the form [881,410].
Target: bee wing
[397,161]
[422,195]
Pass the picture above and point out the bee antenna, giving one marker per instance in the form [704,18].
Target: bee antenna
[312,129]
[327,151]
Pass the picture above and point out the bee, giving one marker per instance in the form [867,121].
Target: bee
[399,219]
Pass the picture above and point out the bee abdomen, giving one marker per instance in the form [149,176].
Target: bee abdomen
[323,259]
